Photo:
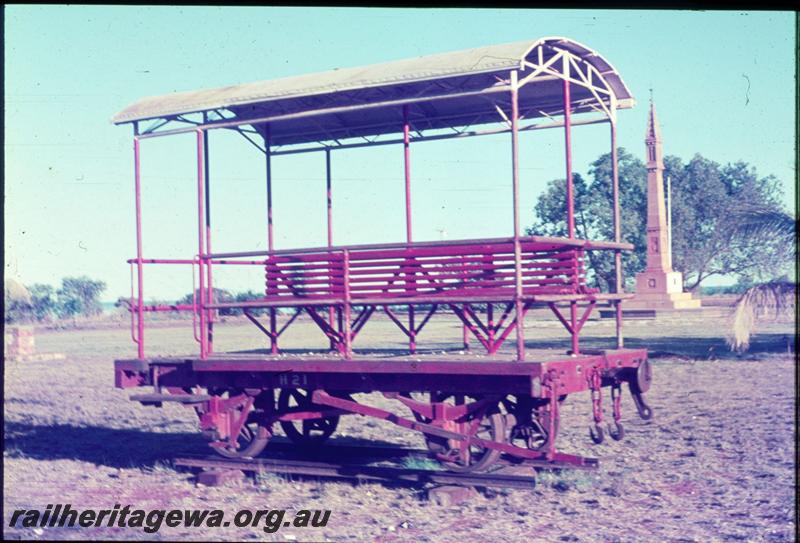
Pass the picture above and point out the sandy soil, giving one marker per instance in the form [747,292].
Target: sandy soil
[715,464]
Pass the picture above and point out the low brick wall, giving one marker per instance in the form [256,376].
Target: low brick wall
[20,345]
[19,342]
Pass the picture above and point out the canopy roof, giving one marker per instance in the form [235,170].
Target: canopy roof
[448,90]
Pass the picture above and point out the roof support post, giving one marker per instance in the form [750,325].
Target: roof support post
[329,199]
[573,308]
[618,286]
[518,305]
[210,287]
[329,205]
[568,153]
[201,253]
[273,312]
[268,154]
[139,266]
[407,162]
[412,342]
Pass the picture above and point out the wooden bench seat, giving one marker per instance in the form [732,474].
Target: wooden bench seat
[552,269]
[416,300]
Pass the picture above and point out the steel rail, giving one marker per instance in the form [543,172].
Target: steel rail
[374,452]
[361,472]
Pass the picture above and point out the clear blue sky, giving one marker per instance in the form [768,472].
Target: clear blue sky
[723,82]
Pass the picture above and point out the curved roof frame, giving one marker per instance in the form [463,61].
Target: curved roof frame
[444,96]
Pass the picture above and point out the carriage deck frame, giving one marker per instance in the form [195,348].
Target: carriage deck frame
[476,410]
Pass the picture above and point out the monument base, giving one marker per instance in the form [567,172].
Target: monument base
[659,282]
[686,316]
[663,300]
[659,290]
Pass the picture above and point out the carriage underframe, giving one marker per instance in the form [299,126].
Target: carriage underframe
[471,412]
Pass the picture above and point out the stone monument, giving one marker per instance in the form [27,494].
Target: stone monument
[658,287]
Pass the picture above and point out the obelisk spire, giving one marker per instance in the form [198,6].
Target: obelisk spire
[653,136]
[658,287]
[658,253]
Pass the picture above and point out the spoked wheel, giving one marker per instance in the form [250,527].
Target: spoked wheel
[456,455]
[253,436]
[252,440]
[531,423]
[306,431]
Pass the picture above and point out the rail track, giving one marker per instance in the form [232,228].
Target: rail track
[357,463]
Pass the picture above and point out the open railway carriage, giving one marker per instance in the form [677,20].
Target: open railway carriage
[471,410]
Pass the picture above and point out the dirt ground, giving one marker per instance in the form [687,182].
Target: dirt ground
[717,462]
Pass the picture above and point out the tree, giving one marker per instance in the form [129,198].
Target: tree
[43,301]
[249,296]
[220,296]
[79,296]
[593,213]
[708,204]
[33,303]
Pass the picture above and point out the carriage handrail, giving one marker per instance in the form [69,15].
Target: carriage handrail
[585,244]
[193,262]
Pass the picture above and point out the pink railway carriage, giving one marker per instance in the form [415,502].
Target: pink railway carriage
[470,409]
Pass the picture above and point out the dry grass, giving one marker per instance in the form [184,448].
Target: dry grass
[766,302]
[716,463]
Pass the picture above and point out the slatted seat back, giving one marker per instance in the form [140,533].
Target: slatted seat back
[308,276]
[458,270]
[482,269]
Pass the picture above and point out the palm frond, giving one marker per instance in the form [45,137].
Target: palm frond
[767,301]
[755,221]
